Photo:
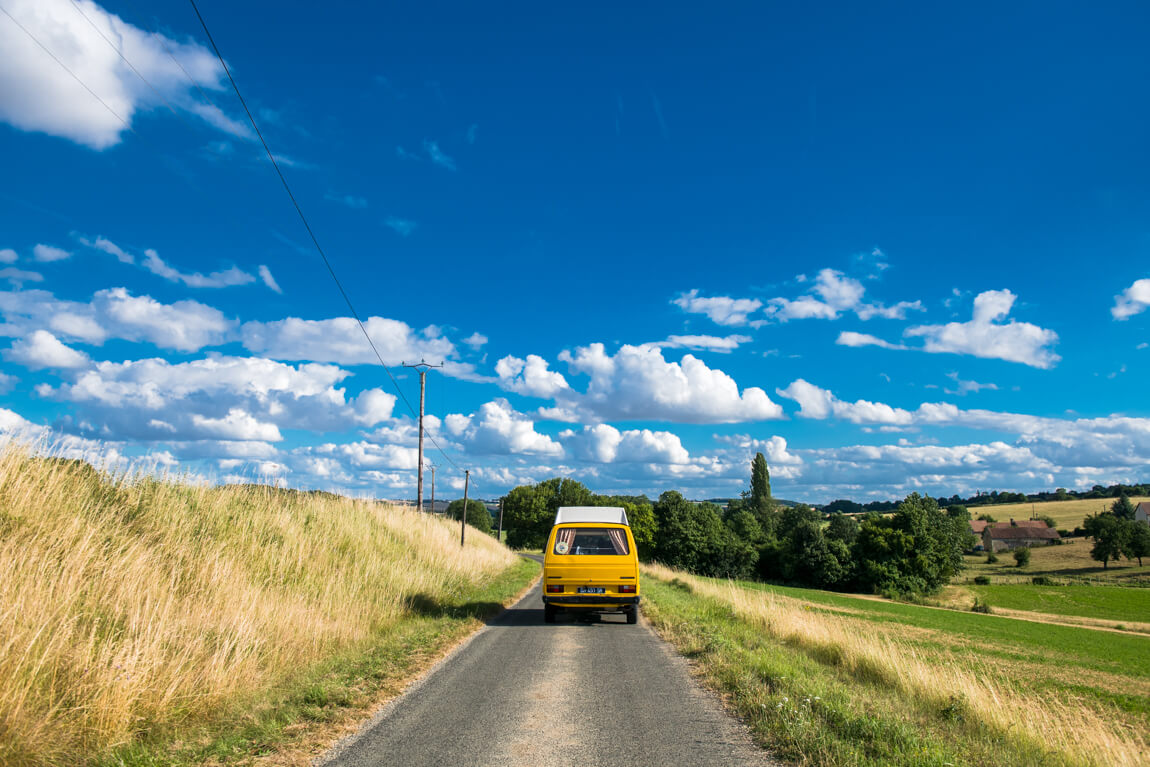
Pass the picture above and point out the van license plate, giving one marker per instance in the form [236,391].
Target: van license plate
[591,590]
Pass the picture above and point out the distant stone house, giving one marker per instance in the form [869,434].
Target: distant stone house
[1142,512]
[1003,537]
[977,526]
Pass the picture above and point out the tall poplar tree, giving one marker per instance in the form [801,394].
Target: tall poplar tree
[760,484]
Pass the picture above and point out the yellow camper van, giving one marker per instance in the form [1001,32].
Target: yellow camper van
[590,563]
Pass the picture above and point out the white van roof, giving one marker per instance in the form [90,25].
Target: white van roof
[614,515]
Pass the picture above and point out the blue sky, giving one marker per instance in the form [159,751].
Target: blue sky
[894,247]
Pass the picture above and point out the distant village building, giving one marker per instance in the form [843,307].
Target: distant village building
[1004,537]
[1142,512]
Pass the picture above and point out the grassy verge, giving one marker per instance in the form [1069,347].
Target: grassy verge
[134,610]
[834,681]
[298,719]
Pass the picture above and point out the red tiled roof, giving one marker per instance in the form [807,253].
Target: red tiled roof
[1007,533]
[1020,523]
[977,526]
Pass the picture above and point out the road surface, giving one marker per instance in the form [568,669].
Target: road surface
[522,692]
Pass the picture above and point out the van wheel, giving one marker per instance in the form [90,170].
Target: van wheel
[548,614]
[633,615]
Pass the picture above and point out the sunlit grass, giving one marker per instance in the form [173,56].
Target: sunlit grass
[895,672]
[129,604]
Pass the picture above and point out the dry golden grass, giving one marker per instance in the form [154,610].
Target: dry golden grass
[884,654]
[129,604]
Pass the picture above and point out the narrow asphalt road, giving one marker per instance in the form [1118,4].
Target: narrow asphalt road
[576,693]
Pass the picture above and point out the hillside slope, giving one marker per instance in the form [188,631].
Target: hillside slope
[129,605]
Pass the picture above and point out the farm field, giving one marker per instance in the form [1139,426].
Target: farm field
[831,679]
[1070,563]
[1068,514]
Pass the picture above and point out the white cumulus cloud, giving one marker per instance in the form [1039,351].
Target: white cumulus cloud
[1134,300]
[223,279]
[850,338]
[531,376]
[722,310]
[340,340]
[41,349]
[638,383]
[48,253]
[835,293]
[721,344]
[38,94]
[115,313]
[986,336]
[497,429]
[815,402]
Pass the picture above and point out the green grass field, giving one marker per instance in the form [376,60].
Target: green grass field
[830,679]
[1000,638]
[1113,603]
[1067,514]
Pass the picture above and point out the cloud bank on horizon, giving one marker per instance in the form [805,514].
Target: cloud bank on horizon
[859,372]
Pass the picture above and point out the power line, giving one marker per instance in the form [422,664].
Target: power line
[131,66]
[307,226]
[162,40]
[267,149]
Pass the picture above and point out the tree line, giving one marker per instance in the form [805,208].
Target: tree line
[994,497]
[916,549]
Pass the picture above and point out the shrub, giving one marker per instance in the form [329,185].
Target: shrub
[982,580]
[980,606]
[1022,556]
[991,558]
[1042,580]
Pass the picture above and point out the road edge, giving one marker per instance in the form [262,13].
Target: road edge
[384,709]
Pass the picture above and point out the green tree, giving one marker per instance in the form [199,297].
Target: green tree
[525,518]
[987,518]
[640,517]
[1123,508]
[760,484]
[1139,544]
[693,537]
[809,558]
[958,518]
[477,514]
[918,549]
[1111,536]
[746,528]
[843,528]
[1022,556]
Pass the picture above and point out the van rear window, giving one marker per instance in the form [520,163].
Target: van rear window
[591,540]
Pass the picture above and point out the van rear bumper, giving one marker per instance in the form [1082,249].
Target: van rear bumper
[589,599]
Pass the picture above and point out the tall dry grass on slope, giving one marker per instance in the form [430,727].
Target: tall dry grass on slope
[879,653]
[128,604]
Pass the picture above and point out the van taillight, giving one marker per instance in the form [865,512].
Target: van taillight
[627,588]
[554,589]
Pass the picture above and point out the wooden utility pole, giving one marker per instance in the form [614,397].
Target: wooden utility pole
[433,488]
[463,516]
[422,367]
[499,532]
